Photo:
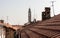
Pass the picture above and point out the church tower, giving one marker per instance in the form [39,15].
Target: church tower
[29,15]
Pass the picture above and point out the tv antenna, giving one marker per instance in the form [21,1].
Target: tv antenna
[53,7]
[7,19]
[34,16]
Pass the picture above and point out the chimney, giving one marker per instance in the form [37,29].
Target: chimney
[43,16]
[1,21]
[46,14]
[29,15]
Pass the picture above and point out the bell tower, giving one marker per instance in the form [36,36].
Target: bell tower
[29,15]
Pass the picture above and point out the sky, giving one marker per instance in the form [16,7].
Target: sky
[17,10]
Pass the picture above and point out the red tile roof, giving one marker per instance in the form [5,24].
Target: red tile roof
[45,29]
[11,26]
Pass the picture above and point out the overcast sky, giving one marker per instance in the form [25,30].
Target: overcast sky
[17,10]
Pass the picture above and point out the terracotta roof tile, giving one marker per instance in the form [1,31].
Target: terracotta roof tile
[47,28]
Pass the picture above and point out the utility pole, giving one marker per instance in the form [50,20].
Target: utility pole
[53,7]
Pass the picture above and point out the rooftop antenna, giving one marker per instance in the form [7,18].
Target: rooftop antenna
[53,6]
[7,19]
[34,16]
